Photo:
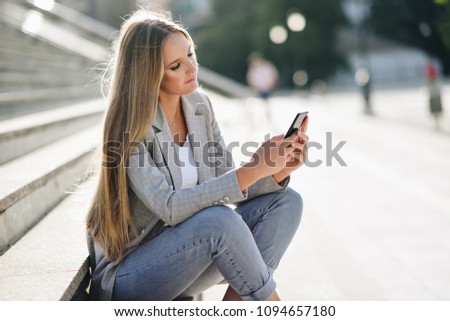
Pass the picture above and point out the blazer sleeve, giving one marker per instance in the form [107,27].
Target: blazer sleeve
[262,186]
[175,206]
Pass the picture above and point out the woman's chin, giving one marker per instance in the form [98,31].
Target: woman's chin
[192,87]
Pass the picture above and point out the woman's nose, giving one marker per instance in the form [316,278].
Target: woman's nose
[193,66]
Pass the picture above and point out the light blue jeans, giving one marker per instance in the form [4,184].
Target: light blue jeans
[243,246]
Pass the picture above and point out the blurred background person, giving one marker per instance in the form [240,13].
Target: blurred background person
[262,77]
[434,92]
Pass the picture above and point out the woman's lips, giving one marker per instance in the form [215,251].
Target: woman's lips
[191,80]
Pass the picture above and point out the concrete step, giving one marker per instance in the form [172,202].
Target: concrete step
[39,26]
[35,183]
[29,80]
[12,81]
[18,39]
[21,135]
[15,98]
[31,51]
[31,107]
[17,44]
[51,261]
[15,37]
[75,18]
[11,36]
[15,64]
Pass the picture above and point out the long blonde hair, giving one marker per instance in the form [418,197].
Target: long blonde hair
[133,79]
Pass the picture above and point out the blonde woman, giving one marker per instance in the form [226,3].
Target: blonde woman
[159,227]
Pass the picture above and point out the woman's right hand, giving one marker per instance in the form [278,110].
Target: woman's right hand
[270,158]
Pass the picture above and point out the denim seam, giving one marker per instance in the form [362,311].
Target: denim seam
[178,250]
[187,246]
[263,212]
[238,272]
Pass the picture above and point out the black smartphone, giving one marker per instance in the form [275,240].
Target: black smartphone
[298,121]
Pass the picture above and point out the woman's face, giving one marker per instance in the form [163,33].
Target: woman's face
[180,66]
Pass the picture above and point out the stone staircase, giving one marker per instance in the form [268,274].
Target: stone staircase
[50,117]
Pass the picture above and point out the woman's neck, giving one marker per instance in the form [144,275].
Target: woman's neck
[171,106]
[169,103]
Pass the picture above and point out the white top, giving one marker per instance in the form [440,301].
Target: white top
[189,173]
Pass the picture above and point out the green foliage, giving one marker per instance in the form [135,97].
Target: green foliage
[444,25]
[241,27]
[224,46]
[418,23]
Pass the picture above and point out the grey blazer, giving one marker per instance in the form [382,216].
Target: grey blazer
[154,178]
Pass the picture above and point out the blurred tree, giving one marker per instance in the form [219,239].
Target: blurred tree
[312,49]
[241,27]
[413,22]
[224,45]
[444,25]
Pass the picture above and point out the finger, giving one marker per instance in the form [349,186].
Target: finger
[294,152]
[297,146]
[297,154]
[290,139]
[303,137]
[273,141]
[304,126]
[298,159]
[290,150]
[277,138]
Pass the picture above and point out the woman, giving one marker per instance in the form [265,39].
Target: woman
[158,226]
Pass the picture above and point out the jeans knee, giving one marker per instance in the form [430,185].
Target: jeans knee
[293,200]
[220,220]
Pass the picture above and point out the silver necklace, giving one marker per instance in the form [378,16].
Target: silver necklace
[175,118]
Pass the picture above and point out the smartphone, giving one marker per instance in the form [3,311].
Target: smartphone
[298,121]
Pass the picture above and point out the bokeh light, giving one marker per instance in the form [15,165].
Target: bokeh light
[278,34]
[318,86]
[300,78]
[44,4]
[296,21]
[33,22]
[425,29]
[362,76]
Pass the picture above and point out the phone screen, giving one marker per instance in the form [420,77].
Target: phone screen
[298,121]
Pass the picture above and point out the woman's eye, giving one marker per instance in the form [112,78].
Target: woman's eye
[175,67]
[190,54]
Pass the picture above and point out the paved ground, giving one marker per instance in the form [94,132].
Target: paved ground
[378,228]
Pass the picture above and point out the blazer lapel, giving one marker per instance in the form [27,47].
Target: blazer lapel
[166,145]
[196,127]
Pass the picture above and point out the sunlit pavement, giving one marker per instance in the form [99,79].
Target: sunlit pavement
[377,228]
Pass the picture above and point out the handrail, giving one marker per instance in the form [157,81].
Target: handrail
[75,18]
[37,25]
[59,35]
[222,84]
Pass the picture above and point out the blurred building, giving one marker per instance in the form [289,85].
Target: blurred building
[107,11]
[388,61]
[192,13]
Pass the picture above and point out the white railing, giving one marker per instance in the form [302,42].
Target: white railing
[41,22]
